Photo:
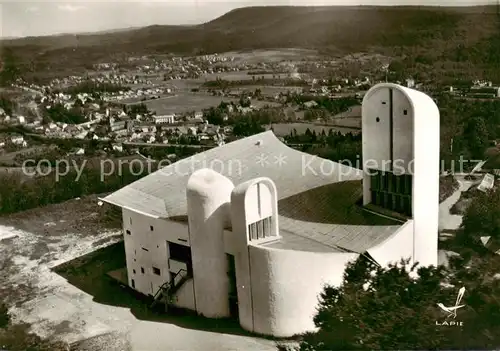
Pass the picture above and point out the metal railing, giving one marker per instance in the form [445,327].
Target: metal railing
[170,287]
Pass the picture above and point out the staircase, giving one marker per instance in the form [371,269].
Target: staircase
[166,292]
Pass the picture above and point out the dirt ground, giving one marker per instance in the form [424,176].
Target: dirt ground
[53,262]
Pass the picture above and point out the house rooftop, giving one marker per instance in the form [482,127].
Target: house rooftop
[317,198]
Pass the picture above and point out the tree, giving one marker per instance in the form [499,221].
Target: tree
[245,102]
[482,216]
[257,93]
[393,308]
[308,115]
[7,105]
[477,135]
[78,103]
[138,109]
[9,70]
[214,115]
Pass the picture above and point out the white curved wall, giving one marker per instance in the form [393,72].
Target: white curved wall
[208,198]
[426,180]
[285,287]
[399,245]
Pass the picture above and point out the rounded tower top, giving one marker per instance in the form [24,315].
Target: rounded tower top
[208,183]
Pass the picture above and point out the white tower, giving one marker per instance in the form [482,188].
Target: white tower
[254,215]
[401,164]
[208,205]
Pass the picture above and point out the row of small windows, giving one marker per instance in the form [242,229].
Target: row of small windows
[260,229]
[391,183]
[393,192]
[156,271]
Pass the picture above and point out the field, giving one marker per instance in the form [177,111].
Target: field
[349,122]
[276,55]
[283,129]
[266,90]
[184,102]
[240,75]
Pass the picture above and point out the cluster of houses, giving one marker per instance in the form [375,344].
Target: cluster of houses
[141,93]
[16,140]
[187,67]
[478,90]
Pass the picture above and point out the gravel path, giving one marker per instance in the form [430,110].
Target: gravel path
[448,221]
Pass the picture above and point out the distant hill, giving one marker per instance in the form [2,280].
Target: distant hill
[428,30]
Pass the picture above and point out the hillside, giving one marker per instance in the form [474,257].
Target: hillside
[394,30]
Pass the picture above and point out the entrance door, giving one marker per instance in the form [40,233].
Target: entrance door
[233,294]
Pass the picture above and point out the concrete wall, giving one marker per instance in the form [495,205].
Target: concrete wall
[285,287]
[416,138]
[375,122]
[155,241]
[426,179]
[245,209]
[403,133]
[208,204]
[377,134]
[258,202]
[397,246]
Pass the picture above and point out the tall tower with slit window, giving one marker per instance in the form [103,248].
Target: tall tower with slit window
[400,132]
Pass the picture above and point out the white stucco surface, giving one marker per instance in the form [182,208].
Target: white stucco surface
[415,150]
[286,285]
[291,227]
[208,201]
[396,247]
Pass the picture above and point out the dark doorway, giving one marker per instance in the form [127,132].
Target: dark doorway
[233,293]
[181,253]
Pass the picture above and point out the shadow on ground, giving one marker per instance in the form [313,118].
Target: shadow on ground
[88,273]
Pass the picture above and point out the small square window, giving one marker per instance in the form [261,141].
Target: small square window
[151,228]
[405,112]
[133,283]
[156,271]
[128,232]
[133,271]
[130,220]
[142,270]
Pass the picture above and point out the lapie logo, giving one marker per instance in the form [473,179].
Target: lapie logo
[451,311]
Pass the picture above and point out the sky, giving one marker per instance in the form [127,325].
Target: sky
[20,18]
